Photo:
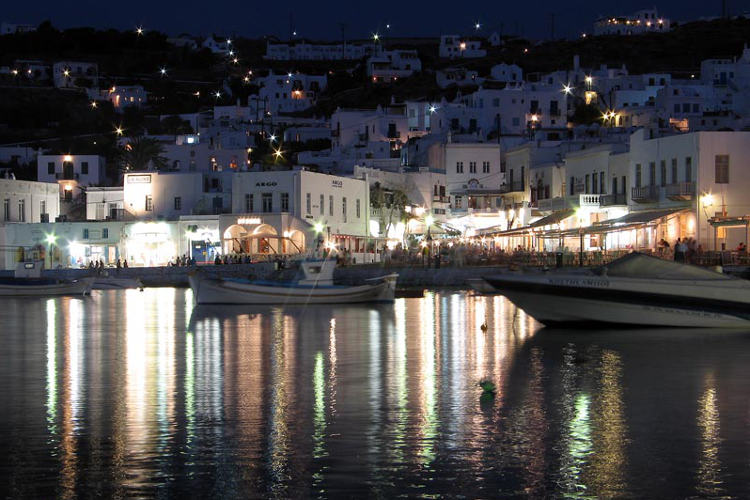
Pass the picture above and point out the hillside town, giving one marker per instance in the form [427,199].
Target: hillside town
[376,149]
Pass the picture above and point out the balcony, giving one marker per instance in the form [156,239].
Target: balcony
[394,134]
[589,200]
[67,176]
[645,194]
[513,187]
[440,199]
[612,200]
[681,191]
[552,204]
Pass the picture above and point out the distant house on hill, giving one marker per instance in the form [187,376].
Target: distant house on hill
[643,21]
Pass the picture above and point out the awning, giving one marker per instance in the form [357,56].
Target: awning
[553,218]
[730,221]
[635,218]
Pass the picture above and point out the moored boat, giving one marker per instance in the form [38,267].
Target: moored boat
[315,288]
[27,282]
[634,290]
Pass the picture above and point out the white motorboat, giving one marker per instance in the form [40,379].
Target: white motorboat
[27,282]
[315,288]
[108,282]
[634,290]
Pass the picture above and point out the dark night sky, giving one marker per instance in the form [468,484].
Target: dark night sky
[320,19]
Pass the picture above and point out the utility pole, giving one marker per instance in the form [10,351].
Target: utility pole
[343,40]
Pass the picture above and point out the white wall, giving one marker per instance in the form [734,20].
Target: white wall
[24,200]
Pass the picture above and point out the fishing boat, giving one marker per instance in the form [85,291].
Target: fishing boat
[28,282]
[109,282]
[316,287]
[636,289]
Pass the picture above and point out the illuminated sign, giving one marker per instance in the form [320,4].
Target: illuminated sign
[249,220]
[139,179]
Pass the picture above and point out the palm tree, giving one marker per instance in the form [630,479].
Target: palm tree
[141,151]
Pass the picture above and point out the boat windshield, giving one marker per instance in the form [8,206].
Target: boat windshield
[638,265]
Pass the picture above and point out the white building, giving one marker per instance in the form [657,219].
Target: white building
[105,203]
[643,21]
[29,201]
[126,96]
[291,92]
[69,74]
[292,211]
[71,172]
[168,195]
[14,28]
[507,73]
[390,65]
[217,45]
[304,51]
[351,127]
[458,76]
[455,46]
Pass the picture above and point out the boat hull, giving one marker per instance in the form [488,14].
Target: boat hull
[216,291]
[573,300]
[116,283]
[77,287]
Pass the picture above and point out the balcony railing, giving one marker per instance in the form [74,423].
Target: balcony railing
[588,200]
[681,191]
[512,187]
[645,194]
[610,200]
[552,204]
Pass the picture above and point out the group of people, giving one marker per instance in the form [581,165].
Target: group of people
[686,250]
[182,261]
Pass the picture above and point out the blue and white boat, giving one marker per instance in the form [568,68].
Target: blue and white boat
[315,288]
[28,282]
[634,290]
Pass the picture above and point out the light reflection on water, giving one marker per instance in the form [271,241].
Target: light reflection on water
[139,394]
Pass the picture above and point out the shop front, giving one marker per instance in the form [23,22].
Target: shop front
[150,243]
[273,234]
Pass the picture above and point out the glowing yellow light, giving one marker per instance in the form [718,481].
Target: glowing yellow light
[66,72]
[318,227]
[707,200]
[15,72]
[50,239]
[94,104]
[567,89]
[163,71]
[534,118]
[589,80]
[118,131]
[462,45]
[139,30]
[235,60]
[376,37]
[217,94]
[278,153]
[68,187]
[429,220]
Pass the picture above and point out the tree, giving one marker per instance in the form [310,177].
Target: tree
[390,204]
[141,151]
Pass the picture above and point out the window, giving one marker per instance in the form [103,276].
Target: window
[149,203]
[343,207]
[602,189]
[485,167]
[84,168]
[178,203]
[330,205]
[595,182]
[457,201]
[284,202]
[85,233]
[721,164]
[21,210]
[358,209]
[51,167]
[472,167]
[663,172]
[637,175]
[688,169]
[308,203]
[587,184]
[43,207]
[248,203]
[105,233]
[459,167]
[674,170]
[322,204]
[652,173]
[572,190]
[267,202]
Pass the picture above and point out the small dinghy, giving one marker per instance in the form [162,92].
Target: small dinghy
[28,282]
[316,287]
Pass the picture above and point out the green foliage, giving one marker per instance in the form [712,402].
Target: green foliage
[141,151]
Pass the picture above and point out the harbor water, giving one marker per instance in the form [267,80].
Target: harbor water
[130,393]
